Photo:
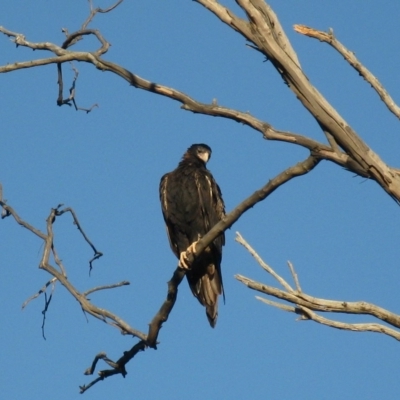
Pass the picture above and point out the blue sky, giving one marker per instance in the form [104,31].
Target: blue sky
[341,232]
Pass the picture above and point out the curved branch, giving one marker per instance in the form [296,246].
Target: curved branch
[323,151]
[350,57]
[71,39]
[94,11]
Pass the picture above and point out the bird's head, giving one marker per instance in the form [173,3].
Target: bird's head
[200,151]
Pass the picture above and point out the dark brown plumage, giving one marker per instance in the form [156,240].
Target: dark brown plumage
[192,204]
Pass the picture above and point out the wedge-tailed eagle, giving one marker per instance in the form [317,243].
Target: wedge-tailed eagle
[192,204]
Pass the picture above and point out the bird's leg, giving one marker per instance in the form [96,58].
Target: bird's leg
[184,262]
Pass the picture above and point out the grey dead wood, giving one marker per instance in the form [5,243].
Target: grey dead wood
[340,144]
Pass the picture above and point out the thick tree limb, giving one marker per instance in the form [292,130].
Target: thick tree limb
[265,32]
[306,305]
[262,34]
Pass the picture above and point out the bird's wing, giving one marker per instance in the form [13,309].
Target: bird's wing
[165,206]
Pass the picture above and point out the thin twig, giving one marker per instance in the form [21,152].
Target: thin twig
[46,307]
[37,294]
[58,261]
[239,238]
[4,212]
[294,275]
[11,212]
[123,283]
[281,306]
[94,11]
[97,254]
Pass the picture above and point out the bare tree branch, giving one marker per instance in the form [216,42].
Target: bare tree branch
[332,153]
[115,285]
[94,11]
[97,254]
[47,301]
[350,57]
[72,91]
[118,367]
[263,29]
[295,277]
[37,294]
[162,315]
[329,153]
[265,266]
[87,306]
[261,33]
[299,169]
[306,305]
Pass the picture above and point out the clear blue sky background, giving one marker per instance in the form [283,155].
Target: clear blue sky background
[340,231]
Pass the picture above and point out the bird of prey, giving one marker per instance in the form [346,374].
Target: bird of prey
[192,204]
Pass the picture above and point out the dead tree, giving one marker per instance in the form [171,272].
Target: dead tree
[339,144]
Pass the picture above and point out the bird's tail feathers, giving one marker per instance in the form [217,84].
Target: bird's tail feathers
[207,289]
[212,314]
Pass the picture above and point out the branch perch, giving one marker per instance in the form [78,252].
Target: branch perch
[149,340]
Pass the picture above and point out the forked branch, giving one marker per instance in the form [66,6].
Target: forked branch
[261,30]
[306,305]
[60,275]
